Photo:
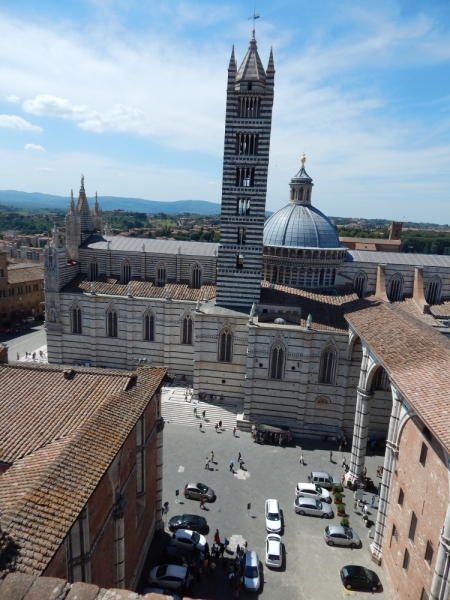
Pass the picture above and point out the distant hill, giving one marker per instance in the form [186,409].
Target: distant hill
[35,200]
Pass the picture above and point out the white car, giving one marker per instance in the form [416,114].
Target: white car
[273,516]
[168,576]
[309,506]
[188,540]
[274,551]
[312,490]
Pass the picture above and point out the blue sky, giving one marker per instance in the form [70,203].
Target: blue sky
[132,94]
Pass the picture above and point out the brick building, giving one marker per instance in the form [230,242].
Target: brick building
[81,464]
[21,290]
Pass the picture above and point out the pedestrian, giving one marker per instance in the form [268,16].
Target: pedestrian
[216,426]
[379,489]
[372,502]
[231,579]
[331,455]
[221,549]
[234,431]
[212,566]
[200,426]
[212,456]
[245,546]
[239,457]
[355,504]
[231,466]
[238,550]
[204,415]
[342,480]
[217,537]
[34,355]
[18,356]
[340,446]
[344,462]
[207,463]
[195,411]
[365,471]
[365,508]
[302,460]
[202,501]
[220,425]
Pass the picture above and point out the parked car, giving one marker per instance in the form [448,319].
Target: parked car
[274,551]
[309,506]
[353,576]
[325,480]
[335,535]
[196,490]
[193,522]
[188,540]
[273,516]
[168,576]
[173,555]
[251,571]
[312,490]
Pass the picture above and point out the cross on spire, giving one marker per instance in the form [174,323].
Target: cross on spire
[254,17]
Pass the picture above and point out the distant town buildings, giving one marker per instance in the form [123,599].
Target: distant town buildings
[21,290]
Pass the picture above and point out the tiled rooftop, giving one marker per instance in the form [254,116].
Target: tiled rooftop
[416,356]
[441,310]
[76,426]
[398,258]
[21,274]
[130,244]
[140,289]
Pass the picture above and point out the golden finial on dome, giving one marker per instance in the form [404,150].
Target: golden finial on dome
[303,159]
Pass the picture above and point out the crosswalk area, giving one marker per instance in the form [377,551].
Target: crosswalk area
[176,409]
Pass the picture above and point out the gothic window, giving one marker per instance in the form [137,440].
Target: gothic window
[245,177]
[360,284]
[433,295]
[239,262]
[327,365]
[277,361]
[186,330]
[149,327]
[111,323]
[241,235]
[125,272]
[93,270]
[196,277]
[247,144]
[225,346]
[395,292]
[249,107]
[380,380]
[161,275]
[75,320]
[243,206]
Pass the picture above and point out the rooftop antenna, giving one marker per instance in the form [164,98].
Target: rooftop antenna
[254,17]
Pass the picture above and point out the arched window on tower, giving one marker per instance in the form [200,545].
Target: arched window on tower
[93,270]
[277,361]
[196,277]
[327,367]
[76,319]
[360,284]
[161,275]
[186,330]
[149,327]
[125,272]
[111,323]
[225,346]
[434,287]
[395,292]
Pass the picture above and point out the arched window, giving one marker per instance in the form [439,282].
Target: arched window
[360,284]
[380,380]
[395,293]
[186,330]
[196,277]
[434,288]
[277,360]
[75,319]
[1,273]
[225,346]
[327,365]
[93,270]
[111,323]
[149,327]
[161,275]
[125,272]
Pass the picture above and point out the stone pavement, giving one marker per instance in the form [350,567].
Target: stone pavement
[311,568]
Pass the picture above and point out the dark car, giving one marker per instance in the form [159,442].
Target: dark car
[173,556]
[192,522]
[353,576]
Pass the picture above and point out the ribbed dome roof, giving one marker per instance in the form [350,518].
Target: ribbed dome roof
[300,226]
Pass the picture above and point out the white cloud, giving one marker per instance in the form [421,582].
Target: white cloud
[34,148]
[52,106]
[12,98]
[119,118]
[16,122]
[44,169]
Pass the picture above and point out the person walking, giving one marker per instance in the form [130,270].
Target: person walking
[202,501]
[231,466]
[220,424]
[344,462]
[331,455]
[212,456]
[195,411]
[18,356]
[365,509]
[355,504]
[221,549]
[204,415]
[216,427]
[200,425]
[231,579]
[207,463]
[302,460]
[372,502]
[217,537]
[234,431]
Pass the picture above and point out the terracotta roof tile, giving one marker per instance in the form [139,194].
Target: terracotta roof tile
[24,274]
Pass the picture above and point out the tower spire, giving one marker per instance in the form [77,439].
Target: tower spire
[271,66]
[232,66]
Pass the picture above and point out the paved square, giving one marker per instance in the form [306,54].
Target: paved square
[311,569]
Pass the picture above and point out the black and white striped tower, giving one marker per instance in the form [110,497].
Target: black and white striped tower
[248,123]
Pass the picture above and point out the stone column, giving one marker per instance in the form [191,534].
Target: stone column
[390,459]
[440,584]
[360,433]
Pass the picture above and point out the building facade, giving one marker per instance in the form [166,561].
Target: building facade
[21,290]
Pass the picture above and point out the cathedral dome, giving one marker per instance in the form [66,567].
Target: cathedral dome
[300,226]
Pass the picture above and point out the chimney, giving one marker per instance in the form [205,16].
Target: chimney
[4,354]
[418,295]
[380,290]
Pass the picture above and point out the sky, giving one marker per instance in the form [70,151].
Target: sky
[132,94]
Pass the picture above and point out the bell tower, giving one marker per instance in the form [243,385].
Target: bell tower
[248,122]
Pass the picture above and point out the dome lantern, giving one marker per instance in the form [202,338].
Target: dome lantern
[301,186]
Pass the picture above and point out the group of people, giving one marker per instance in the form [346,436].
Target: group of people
[32,355]
[262,436]
[240,462]
[207,560]
[209,397]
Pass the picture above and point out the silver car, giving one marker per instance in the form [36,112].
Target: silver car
[309,506]
[197,490]
[252,579]
[335,535]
